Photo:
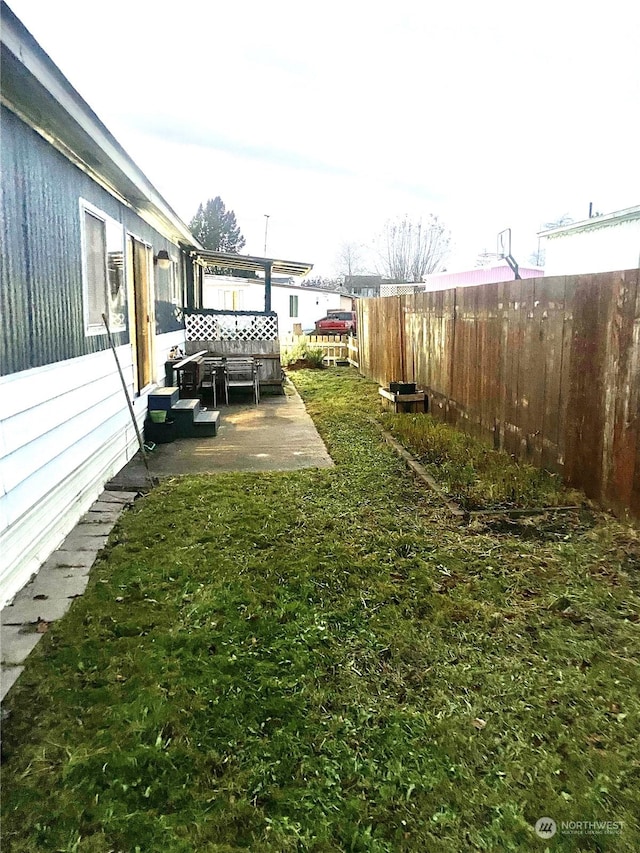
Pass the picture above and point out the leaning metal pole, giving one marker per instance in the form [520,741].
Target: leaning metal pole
[126,394]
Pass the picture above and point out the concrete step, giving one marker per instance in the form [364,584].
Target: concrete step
[163,399]
[205,424]
[188,408]
[186,414]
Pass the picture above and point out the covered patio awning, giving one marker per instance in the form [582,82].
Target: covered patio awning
[252,263]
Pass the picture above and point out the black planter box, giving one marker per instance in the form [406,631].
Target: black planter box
[163,433]
[402,387]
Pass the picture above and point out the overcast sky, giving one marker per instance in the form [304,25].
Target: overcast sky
[333,117]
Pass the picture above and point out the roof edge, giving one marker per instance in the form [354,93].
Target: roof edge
[26,51]
[211,257]
[606,219]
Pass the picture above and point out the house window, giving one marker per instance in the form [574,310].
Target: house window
[293,306]
[175,284]
[102,270]
[232,300]
[168,283]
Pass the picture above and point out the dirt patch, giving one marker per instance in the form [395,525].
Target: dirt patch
[305,364]
[546,528]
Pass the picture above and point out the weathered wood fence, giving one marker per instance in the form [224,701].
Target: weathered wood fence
[547,369]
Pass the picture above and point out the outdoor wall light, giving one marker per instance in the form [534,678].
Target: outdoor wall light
[162,259]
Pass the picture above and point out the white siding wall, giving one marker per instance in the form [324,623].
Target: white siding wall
[597,249]
[65,430]
[164,343]
[312,306]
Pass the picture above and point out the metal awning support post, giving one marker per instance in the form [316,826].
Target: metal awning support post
[267,286]
[189,286]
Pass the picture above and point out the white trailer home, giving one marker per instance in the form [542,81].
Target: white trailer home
[603,243]
[83,233]
[293,303]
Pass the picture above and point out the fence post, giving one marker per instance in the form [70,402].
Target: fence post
[403,377]
[453,344]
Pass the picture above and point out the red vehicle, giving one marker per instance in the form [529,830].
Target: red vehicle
[337,322]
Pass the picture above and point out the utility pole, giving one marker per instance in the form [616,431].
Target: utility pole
[266,228]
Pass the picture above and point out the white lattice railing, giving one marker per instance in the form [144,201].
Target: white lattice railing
[400,289]
[231,327]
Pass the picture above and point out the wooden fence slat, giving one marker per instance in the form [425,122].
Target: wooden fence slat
[550,294]
[547,368]
[621,457]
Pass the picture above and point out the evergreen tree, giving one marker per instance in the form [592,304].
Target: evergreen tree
[216,227]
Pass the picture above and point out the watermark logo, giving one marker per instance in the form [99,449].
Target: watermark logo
[546,827]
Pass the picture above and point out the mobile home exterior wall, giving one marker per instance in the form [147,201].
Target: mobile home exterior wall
[603,243]
[64,422]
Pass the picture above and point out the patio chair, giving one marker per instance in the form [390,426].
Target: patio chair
[242,373]
[212,368]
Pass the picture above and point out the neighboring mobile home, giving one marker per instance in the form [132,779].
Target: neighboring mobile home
[602,243]
[294,304]
[83,233]
[498,271]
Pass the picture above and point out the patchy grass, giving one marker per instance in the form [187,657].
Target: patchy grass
[325,661]
[473,474]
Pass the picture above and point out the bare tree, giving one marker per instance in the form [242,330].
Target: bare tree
[349,259]
[410,250]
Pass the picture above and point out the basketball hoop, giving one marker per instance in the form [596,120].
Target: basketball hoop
[504,243]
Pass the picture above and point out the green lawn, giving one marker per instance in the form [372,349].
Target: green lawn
[327,661]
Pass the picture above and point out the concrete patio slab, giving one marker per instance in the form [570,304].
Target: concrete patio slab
[8,677]
[62,559]
[83,538]
[17,643]
[276,435]
[102,512]
[27,610]
[56,583]
[123,498]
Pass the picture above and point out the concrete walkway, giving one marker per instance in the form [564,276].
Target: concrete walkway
[276,435]
[61,579]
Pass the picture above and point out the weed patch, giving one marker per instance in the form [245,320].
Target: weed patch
[303,355]
[471,473]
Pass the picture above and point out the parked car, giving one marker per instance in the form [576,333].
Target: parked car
[337,323]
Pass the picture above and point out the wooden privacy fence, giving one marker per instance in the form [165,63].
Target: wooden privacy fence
[336,348]
[546,368]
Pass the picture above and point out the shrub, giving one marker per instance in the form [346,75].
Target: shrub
[303,353]
[314,356]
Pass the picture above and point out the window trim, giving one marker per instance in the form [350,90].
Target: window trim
[95,329]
